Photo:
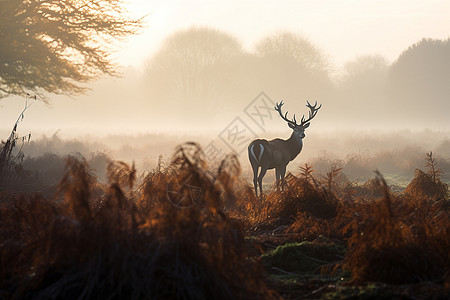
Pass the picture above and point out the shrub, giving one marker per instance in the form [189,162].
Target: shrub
[100,244]
[399,240]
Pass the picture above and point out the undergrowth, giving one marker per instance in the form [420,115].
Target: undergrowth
[168,239]
[184,230]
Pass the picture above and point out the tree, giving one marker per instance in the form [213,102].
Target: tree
[192,65]
[362,86]
[292,45]
[56,45]
[292,67]
[364,79]
[365,66]
[421,76]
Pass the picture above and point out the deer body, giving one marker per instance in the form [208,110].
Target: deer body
[277,153]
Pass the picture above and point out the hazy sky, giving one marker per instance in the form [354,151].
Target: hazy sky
[344,29]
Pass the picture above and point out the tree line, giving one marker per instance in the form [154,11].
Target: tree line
[208,67]
[58,47]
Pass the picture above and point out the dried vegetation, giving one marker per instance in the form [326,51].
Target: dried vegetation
[186,231]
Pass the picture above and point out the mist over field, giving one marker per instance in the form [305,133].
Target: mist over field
[202,85]
[174,149]
[201,79]
[190,73]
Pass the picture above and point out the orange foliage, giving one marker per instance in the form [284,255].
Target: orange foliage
[84,244]
[181,232]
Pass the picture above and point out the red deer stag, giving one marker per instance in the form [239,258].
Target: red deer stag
[277,153]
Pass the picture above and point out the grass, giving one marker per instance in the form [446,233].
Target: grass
[304,257]
[184,230]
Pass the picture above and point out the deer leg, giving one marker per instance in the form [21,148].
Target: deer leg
[255,178]
[277,174]
[282,173]
[277,177]
[260,178]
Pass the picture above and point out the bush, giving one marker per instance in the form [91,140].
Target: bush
[399,240]
[102,245]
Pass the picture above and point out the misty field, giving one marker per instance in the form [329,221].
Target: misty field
[96,228]
[144,186]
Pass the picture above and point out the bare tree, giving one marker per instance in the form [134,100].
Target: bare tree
[362,86]
[55,45]
[366,66]
[291,66]
[364,80]
[192,64]
[295,46]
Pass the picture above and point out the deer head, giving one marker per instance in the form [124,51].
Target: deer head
[299,129]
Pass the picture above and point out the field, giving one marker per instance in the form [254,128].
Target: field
[193,229]
[132,176]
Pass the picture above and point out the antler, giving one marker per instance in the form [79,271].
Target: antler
[278,109]
[312,113]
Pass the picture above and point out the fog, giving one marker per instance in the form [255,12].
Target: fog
[200,73]
[195,83]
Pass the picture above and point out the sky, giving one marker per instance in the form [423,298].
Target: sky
[342,29]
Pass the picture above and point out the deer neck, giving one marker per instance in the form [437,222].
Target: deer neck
[295,145]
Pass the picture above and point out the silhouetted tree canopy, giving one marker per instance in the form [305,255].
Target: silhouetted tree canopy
[423,70]
[362,87]
[365,78]
[191,63]
[55,45]
[292,67]
[366,65]
[295,46]
[209,67]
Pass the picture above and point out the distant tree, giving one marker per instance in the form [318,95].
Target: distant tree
[55,45]
[295,46]
[291,67]
[193,64]
[362,86]
[365,66]
[363,81]
[421,74]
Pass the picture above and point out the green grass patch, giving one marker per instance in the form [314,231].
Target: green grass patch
[305,257]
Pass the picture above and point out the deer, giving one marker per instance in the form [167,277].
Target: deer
[277,153]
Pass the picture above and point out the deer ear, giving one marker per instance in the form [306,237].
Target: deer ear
[306,125]
[291,125]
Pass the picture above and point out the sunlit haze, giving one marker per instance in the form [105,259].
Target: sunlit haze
[344,29]
[225,149]
[358,43]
